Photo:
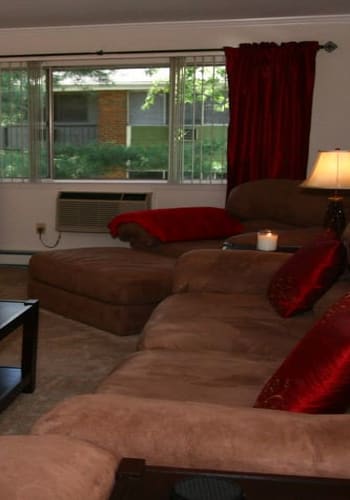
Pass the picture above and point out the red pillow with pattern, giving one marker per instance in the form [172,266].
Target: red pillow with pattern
[303,278]
[315,377]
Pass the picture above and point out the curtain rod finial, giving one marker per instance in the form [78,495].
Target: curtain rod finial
[329,46]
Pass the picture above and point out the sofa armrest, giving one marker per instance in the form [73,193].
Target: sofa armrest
[137,236]
[226,271]
[208,436]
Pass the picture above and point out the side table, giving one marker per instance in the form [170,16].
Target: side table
[137,481]
[13,380]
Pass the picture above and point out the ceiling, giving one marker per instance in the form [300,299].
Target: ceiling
[39,13]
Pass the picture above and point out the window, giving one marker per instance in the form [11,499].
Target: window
[157,114]
[70,107]
[199,103]
[23,149]
[163,121]
[125,136]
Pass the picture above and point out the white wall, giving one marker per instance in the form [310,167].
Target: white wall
[22,205]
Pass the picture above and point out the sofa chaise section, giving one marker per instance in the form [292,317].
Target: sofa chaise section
[113,289]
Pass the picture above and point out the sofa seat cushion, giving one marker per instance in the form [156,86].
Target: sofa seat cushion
[209,376]
[238,323]
[114,275]
[177,248]
[54,468]
[202,435]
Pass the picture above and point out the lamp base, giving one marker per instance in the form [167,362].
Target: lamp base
[335,217]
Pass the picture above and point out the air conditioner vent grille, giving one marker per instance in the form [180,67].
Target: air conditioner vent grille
[91,212]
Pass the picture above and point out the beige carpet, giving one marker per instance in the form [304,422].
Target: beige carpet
[72,358]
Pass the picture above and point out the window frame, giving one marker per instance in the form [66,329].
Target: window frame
[174,166]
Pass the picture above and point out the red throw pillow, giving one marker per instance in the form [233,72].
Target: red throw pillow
[315,377]
[179,224]
[303,278]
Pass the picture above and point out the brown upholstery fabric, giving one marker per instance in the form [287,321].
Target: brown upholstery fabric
[179,247]
[222,322]
[340,288]
[120,319]
[114,289]
[237,271]
[220,303]
[54,468]
[218,377]
[280,200]
[137,236]
[112,275]
[205,435]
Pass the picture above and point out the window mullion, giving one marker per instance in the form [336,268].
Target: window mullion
[35,119]
[50,123]
[176,119]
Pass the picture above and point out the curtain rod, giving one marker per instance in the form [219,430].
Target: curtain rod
[328,47]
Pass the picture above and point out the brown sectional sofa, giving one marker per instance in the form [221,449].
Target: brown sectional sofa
[54,468]
[280,204]
[116,290]
[185,398]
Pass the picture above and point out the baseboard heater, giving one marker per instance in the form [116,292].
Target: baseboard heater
[17,258]
[86,212]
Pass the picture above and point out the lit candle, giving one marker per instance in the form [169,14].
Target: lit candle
[267,240]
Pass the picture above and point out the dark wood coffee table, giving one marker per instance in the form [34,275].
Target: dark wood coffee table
[137,481]
[13,380]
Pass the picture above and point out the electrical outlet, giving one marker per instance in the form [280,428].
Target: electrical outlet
[40,227]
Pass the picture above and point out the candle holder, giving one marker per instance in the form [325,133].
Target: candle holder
[267,240]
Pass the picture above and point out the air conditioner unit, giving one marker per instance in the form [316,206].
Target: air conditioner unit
[91,212]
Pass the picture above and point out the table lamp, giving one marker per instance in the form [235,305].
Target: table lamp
[331,171]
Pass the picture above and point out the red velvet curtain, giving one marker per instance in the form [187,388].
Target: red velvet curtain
[270,95]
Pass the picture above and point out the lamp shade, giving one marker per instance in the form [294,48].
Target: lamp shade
[330,171]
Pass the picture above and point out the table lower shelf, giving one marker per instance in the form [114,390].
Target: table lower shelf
[11,383]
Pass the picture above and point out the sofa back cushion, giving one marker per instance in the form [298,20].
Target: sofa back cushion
[306,275]
[279,200]
[315,377]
